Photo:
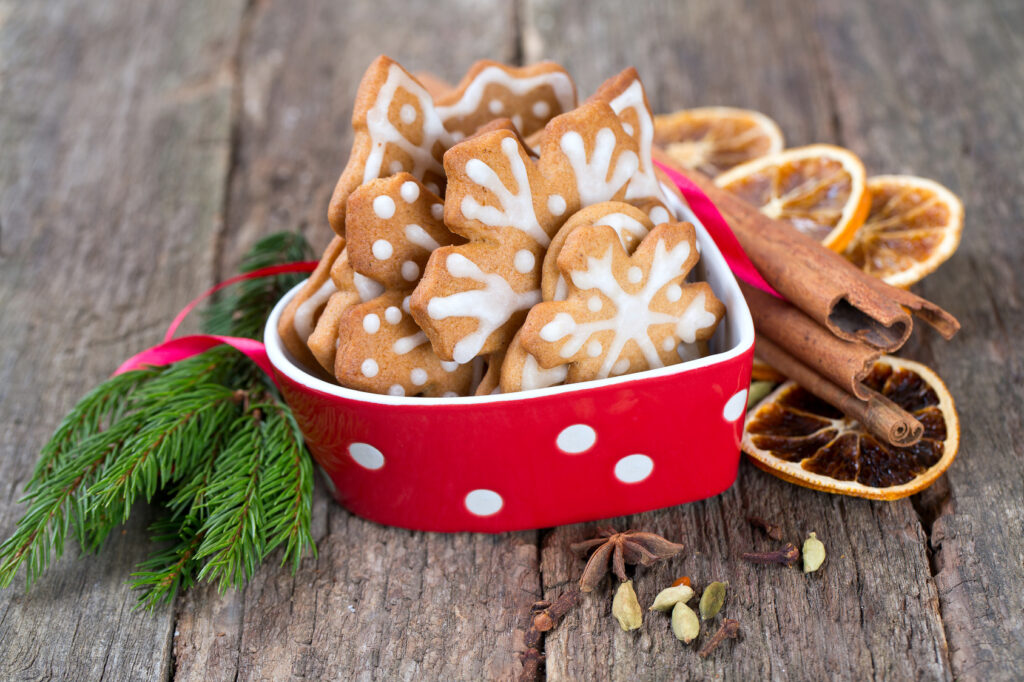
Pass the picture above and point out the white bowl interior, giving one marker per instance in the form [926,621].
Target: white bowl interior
[735,334]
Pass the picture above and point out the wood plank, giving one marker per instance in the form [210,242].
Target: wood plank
[378,602]
[936,89]
[114,125]
[875,595]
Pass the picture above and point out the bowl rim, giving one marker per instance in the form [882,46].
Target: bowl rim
[737,318]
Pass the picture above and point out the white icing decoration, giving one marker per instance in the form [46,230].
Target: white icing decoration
[594,349]
[491,306]
[410,191]
[576,439]
[449,366]
[556,204]
[668,344]
[437,211]
[407,343]
[393,315]
[673,293]
[516,208]
[449,394]
[633,315]
[410,271]
[688,351]
[624,225]
[366,287]
[524,261]
[418,376]
[407,114]
[645,182]
[540,109]
[535,376]
[371,323]
[495,106]
[635,274]
[517,121]
[627,128]
[369,368]
[382,249]
[483,502]
[420,237]
[620,367]
[405,304]
[383,132]
[559,81]
[396,167]
[432,187]
[592,181]
[384,207]
[659,215]
[594,303]
[304,313]
[396,389]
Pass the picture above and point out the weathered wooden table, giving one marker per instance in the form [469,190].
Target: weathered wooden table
[145,144]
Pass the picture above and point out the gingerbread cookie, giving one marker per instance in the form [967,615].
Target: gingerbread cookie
[490,382]
[529,95]
[473,297]
[521,372]
[623,313]
[300,316]
[350,288]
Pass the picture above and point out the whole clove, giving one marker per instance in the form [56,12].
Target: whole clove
[770,529]
[730,628]
[785,556]
[544,616]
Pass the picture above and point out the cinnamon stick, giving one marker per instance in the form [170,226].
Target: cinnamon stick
[879,415]
[844,363]
[850,303]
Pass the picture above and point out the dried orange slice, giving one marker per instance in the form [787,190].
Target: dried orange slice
[714,139]
[762,371]
[914,226]
[820,189]
[801,439]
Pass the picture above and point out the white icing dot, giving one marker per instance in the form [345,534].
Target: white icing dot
[410,191]
[576,439]
[524,261]
[432,187]
[382,249]
[449,394]
[668,344]
[369,368]
[496,106]
[594,303]
[449,366]
[410,271]
[633,468]
[621,366]
[734,408]
[628,129]
[371,323]
[594,349]
[635,274]
[396,389]
[405,304]
[366,456]
[396,167]
[407,113]
[483,502]
[458,135]
[437,211]
[393,315]
[556,204]
[659,215]
[384,206]
[418,376]
[673,293]
[541,108]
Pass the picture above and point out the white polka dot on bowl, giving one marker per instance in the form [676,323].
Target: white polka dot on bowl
[483,502]
[366,456]
[737,404]
[633,468]
[576,439]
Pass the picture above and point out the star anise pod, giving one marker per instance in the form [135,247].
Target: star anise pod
[628,547]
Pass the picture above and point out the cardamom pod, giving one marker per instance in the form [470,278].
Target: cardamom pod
[712,599]
[626,608]
[814,553]
[758,390]
[668,597]
[685,625]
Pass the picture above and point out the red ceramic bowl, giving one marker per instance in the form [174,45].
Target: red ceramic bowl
[538,458]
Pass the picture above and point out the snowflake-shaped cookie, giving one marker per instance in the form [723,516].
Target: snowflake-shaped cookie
[623,313]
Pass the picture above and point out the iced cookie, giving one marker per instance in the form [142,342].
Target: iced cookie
[521,372]
[350,288]
[490,382]
[528,95]
[300,316]
[474,296]
[623,313]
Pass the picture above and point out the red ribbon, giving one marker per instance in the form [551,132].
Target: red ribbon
[172,349]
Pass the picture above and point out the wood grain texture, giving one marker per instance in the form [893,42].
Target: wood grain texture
[114,130]
[378,603]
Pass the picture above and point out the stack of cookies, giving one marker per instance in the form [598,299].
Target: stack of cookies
[496,237]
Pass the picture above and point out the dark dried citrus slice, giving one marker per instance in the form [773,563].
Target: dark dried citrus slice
[804,440]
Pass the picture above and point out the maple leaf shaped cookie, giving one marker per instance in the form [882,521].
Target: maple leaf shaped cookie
[473,297]
[623,313]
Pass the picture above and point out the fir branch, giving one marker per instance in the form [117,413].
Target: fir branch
[172,568]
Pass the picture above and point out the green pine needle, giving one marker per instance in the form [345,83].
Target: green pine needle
[209,437]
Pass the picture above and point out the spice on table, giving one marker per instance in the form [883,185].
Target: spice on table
[712,600]
[814,553]
[730,628]
[684,580]
[671,596]
[685,625]
[771,530]
[544,616]
[630,546]
[626,608]
[785,556]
